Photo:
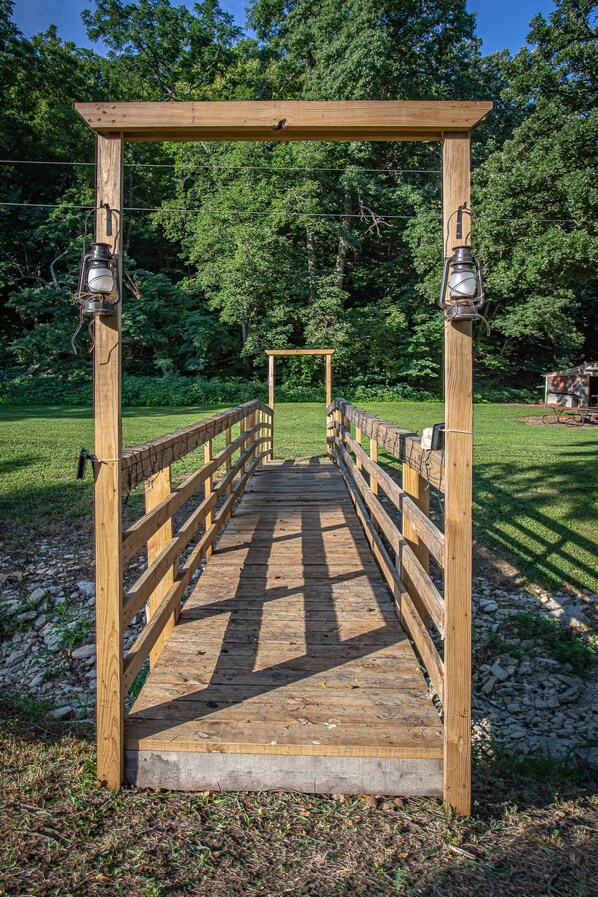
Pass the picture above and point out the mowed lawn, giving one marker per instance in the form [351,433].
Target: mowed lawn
[535,487]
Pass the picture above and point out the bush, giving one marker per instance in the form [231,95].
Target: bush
[75,389]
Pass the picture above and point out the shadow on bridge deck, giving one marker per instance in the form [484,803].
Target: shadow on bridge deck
[288,668]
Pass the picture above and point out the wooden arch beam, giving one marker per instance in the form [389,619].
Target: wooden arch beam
[285,120]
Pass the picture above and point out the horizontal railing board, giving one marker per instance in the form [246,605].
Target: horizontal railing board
[408,560]
[140,531]
[428,532]
[404,606]
[142,461]
[400,443]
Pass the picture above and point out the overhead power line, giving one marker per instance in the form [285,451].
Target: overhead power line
[221,167]
[365,216]
[42,205]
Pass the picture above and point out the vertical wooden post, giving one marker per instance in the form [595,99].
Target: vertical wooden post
[262,433]
[374,457]
[328,379]
[337,418]
[271,401]
[271,361]
[458,497]
[108,502]
[227,441]
[358,439]
[415,486]
[157,488]
[207,456]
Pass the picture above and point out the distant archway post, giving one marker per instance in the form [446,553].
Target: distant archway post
[273,353]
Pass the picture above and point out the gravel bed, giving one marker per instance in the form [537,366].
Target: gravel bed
[533,686]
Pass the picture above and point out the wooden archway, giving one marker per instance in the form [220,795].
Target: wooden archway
[451,123]
[273,353]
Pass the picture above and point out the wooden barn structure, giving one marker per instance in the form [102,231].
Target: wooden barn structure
[573,388]
[331,606]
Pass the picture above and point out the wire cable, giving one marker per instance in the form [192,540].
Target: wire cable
[41,205]
[218,166]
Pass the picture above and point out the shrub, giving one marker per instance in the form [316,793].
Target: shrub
[75,388]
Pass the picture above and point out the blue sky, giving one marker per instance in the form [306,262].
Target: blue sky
[502,24]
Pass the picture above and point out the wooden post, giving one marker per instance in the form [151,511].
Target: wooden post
[358,439]
[458,497]
[108,502]
[328,379]
[271,401]
[374,457]
[271,381]
[262,433]
[228,438]
[337,419]
[415,486]
[157,488]
[207,456]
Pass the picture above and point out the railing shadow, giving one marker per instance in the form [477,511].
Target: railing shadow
[512,514]
[315,641]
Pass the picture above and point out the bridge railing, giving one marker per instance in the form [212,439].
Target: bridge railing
[161,586]
[402,550]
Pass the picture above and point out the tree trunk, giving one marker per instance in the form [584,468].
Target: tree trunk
[244,332]
[310,244]
[343,243]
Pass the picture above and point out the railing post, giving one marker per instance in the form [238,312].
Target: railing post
[262,432]
[208,491]
[157,488]
[328,379]
[374,457]
[414,485]
[271,401]
[358,440]
[227,441]
[249,443]
[108,492]
[458,499]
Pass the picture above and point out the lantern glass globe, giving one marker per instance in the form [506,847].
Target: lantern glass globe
[462,284]
[100,279]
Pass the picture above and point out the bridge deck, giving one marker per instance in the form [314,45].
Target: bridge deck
[288,668]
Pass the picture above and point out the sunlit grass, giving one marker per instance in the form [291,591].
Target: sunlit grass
[534,486]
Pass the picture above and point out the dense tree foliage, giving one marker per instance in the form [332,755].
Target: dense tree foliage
[233,247]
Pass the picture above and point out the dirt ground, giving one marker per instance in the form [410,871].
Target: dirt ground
[533,834]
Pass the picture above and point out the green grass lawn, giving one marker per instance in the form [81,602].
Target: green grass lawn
[534,492]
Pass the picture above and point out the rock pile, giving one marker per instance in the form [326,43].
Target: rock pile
[528,695]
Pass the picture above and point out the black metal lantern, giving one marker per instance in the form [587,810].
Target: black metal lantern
[463,279]
[98,279]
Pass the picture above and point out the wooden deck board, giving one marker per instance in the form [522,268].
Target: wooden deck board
[289,656]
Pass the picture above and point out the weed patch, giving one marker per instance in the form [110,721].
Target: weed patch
[532,826]
[562,643]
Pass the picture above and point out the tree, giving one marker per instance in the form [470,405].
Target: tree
[537,203]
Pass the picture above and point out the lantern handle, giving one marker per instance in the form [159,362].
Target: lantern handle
[459,212]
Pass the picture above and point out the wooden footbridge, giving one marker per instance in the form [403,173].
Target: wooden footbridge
[329,608]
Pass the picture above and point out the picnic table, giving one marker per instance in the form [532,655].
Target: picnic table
[561,414]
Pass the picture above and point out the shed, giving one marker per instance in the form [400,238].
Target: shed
[574,388]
